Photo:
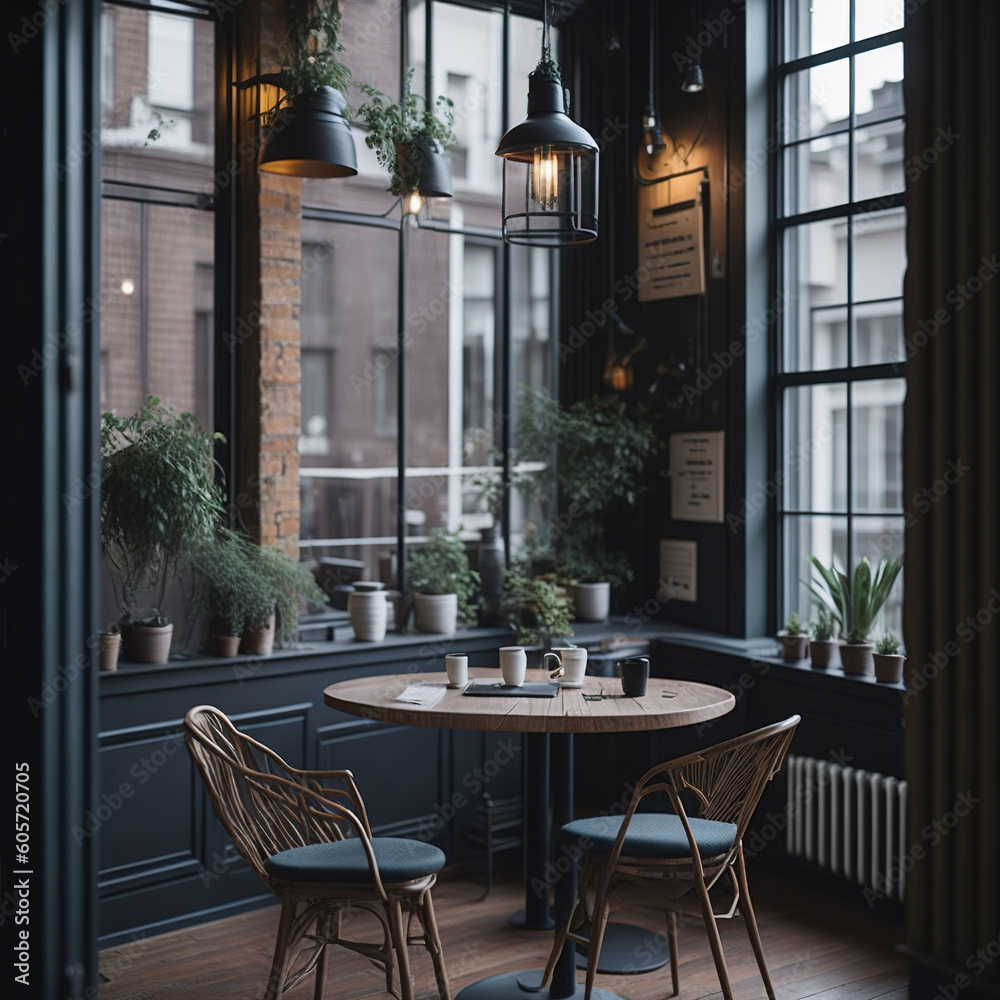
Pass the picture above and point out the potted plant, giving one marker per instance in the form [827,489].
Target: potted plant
[443,583]
[233,594]
[536,608]
[286,582]
[889,658]
[855,604]
[794,639]
[599,453]
[111,644]
[823,644]
[410,139]
[159,504]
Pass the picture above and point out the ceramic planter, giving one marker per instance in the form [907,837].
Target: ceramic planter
[856,658]
[369,614]
[111,644]
[435,612]
[823,653]
[148,643]
[592,602]
[224,645]
[258,640]
[794,647]
[889,667]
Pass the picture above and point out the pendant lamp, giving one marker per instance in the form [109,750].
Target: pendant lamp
[311,137]
[550,166]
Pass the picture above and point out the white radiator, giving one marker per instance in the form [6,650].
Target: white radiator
[848,821]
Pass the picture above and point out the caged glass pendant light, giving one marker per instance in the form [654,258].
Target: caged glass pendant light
[550,166]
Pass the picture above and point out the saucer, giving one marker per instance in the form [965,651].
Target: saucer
[569,684]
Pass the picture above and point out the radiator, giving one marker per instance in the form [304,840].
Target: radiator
[849,822]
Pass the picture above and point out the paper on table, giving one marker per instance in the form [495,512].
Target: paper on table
[422,694]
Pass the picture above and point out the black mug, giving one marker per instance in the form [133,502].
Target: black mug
[635,673]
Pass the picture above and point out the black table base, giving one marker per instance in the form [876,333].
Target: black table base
[627,950]
[520,986]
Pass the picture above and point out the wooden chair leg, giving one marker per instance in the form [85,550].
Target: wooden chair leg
[714,939]
[432,941]
[598,925]
[321,962]
[675,959]
[398,931]
[750,919]
[276,980]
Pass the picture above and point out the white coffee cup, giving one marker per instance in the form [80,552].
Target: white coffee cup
[571,665]
[457,665]
[513,663]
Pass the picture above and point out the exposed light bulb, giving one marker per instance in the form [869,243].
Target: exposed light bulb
[545,177]
[128,287]
[414,204]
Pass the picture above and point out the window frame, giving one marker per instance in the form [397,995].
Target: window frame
[781,222]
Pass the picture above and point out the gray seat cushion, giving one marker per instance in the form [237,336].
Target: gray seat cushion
[650,835]
[398,859]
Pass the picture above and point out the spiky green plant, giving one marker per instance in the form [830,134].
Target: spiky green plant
[824,627]
[794,625]
[888,645]
[856,603]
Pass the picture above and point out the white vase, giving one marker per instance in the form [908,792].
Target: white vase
[369,614]
[592,601]
[435,612]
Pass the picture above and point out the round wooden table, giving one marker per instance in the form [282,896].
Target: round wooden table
[599,706]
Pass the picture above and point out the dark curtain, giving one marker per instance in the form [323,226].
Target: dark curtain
[951,460]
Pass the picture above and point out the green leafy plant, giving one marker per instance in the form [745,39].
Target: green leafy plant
[309,49]
[285,581]
[535,608]
[856,603]
[824,627]
[160,502]
[888,645]
[394,127]
[584,557]
[232,592]
[441,566]
[794,625]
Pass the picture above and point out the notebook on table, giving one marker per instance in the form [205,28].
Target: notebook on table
[497,689]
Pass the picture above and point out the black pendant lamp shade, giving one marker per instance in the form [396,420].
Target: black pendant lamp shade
[549,169]
[432,177]
[311,137]
[694,78]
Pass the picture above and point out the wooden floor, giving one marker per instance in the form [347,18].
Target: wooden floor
[816,947]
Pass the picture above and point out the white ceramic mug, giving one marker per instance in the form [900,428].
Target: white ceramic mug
[457,665]
[513,663]
[571,665]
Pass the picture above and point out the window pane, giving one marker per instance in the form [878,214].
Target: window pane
[878,160]
[878,333]
[879,266]
[816,174]
[882,538]
[348,442]
[815,26]
[815,317]
[157,93]
[156,306]
[878,88]
[876,17]
[817,100]
[823,537]
[815,447]
[877,412]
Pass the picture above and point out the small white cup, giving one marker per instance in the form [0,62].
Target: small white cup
[513,663]
[571,665]
[457,665]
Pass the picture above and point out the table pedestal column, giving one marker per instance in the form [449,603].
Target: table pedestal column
[538,836]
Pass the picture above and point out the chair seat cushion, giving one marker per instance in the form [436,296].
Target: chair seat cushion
[398,859]
[651,835]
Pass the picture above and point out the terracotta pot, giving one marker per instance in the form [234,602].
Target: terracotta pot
[591,602]
[889,667]
[111,645]
[435,612]
[224,645]
[369,614]
[795,647]
[856,658]
[148,643]
[258,640]
[823,653]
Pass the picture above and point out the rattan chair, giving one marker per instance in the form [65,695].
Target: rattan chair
[670,861]
[311,844]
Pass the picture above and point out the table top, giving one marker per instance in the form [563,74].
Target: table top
[666,704]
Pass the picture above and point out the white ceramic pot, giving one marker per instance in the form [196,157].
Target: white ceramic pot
[258,640]
[148,643]
[111,644]
[369,614]
[592,601]
[856,658]
[435,612]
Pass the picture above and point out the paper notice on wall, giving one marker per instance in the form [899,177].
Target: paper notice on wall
[671,239]
[679,569]
[696,464]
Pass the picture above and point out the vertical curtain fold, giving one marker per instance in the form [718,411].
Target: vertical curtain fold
[951,480]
